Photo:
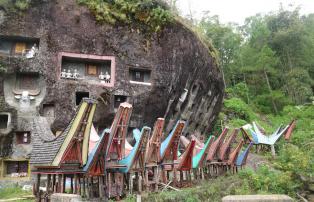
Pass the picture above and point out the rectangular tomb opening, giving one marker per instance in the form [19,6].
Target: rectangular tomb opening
[118,99]
[19,46]
[79,96]
[140,75]
[4,121]
[93,69]
[16,168]
[23,137]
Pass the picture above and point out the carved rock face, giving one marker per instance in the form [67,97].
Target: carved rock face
[161,68]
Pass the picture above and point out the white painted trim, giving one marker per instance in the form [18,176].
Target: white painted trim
[141,83]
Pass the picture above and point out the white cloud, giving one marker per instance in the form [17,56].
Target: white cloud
[238,10]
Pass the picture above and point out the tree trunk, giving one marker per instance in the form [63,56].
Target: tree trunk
[247,93]
[270,91]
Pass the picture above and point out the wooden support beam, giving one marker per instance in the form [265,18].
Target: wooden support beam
[71,190]
[48,183]
[101,187]
[79,185]
[139,182]
[130,183]
[146,182]
[273,151]
[37,186]
[202,173]
[54,183]
[90,187]
[63,178]
[84,187]
[87,187]
[175,176]
[109,185]
[59,183]
[156,177]
[168,186]
[75,191]
[181,176]
[189,175]
[165,176]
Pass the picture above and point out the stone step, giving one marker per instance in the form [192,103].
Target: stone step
[259,198]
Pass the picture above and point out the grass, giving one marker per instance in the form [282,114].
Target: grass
[209,190]
[13,192]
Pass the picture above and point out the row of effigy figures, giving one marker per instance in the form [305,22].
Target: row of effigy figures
[75,75]
[68,75]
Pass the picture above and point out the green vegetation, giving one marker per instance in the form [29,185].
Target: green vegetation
[263,181]
[13,192]
[269,77]
[267,62]
[148,15]
[13,6]
[2,67]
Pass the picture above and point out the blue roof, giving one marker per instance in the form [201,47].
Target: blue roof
[166,142]
[197,158]
[128,160]
[93,152]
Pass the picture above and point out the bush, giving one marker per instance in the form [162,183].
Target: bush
[212,190]
[294,160]
[239,109]
[240,90]
[266,180]
[12,6]
[149,15]
[22,4]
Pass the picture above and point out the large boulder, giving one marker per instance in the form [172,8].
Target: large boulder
[185,82]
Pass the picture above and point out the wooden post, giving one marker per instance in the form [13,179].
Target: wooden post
[109,185]
[91,186]
[87,187]
[63,183]
[59,183]
[202,174]
[130,183]
[84,187]
[48,183]
[273,151]
[75,184]
[174,176]
[101,187]
[139,183]
[79,185]
[156,177]
[166,176]
[189,175]
[146,182]
[37,186]
[181,176]
[195,173]
[71,190]
[54,183]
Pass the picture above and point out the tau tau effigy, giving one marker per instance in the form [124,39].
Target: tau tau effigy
[66,76]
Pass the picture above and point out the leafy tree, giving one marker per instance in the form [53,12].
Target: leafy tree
[225,38]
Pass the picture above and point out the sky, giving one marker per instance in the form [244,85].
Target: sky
[237,10]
